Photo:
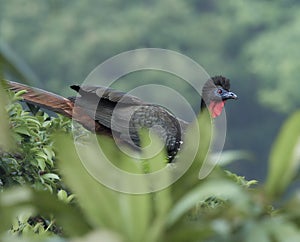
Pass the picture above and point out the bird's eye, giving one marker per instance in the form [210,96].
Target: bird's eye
[220,91]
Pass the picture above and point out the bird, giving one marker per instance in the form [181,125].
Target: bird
[108,111]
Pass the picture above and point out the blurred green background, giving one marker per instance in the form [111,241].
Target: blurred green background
[55,43]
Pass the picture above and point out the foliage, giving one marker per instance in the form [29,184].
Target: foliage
[29,159]
[277,68]
[32,162]
[285,157]
[223,207]
[6,142]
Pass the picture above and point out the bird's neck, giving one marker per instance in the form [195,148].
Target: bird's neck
[215,108]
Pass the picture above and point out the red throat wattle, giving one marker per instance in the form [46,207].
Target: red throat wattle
[216,108]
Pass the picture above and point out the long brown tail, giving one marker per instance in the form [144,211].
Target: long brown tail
[58,104]
[44,99]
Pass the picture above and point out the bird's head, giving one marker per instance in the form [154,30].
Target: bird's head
[215,92]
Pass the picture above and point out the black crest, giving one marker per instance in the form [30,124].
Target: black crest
[221,81]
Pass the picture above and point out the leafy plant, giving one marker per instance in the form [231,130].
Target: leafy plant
[28,157]
[285,157]
[223,207]
[32,160]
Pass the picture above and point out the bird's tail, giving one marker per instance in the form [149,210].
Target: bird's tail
[57,104]
[42,98]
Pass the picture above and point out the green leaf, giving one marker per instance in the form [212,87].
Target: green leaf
[220,188]
[41,163]
[51,176]
[62,195]
[18,95]
[285,231]
[6,141]
[230,156]
[192,144]
[33,121]
[127,214]
[189,232]
[22,130]
[49,152]
[23,199]
[256,232]
[285,157]
[240,180]
[42,155]
[99,235]
[133,216]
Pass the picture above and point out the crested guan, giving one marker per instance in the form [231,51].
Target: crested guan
[104,110]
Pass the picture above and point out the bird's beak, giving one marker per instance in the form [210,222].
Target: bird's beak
[229,95]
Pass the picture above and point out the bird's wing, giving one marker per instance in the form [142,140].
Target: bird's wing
[108,94]
[101,104]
